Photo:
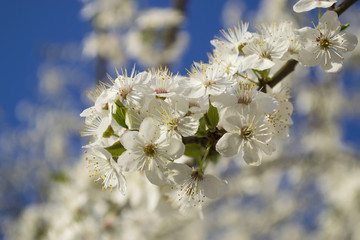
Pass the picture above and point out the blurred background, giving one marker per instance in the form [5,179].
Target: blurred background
[52,52]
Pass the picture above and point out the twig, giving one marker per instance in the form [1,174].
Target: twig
[290,65]
[179,5]
[343,6]
[283,72]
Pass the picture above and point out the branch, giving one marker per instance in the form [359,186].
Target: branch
[290,65]
[179,5]
[199,140]
[343,6]
[283,72]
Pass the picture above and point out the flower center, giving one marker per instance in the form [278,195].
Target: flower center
[324,43]
[265,53]
[246,133]
[124,92]
[244,100]
[149,150]
[208,83]
[160,90]
[196,175]
[172,124]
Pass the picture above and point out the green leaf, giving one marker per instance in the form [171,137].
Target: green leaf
[212,117]
[116,150]
[108,132]
[201,132]
[344,26]
[120,114]
[194,150]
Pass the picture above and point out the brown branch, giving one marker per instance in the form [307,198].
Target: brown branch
[343,6]
[100,61]
[283,72]
[179,5]
[290,65]
[202,141]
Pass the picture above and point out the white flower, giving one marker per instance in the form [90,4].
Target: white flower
[248,131]
[173,117]
[286,31]
[281,118]
[233,39]
[99,96]
[163,84]
[149,151]
[192,187]
[262,51]
[206,79]
[325,44]
[307,5]
[106,168]
[230,63]
[99,117]
[246,94]
[124,86]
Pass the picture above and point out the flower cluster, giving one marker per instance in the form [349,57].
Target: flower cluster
[147,121]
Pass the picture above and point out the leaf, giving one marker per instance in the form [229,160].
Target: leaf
[116,150]
[108,132]
[212,117]
[344,26]
[194,150]
[120,114]
[201,132]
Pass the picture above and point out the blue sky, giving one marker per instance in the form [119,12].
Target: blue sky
[29,26]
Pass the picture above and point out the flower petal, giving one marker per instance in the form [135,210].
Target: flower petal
[251,155]
[156,173]
[149,130]
[213,186]
[229,144]
[129,140]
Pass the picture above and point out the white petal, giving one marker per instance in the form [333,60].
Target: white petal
[129,140]
[259,63]
[188,126]
[129,161]
[331,61]
[304,5]
[149,130]
[156,173]
[87,112]
[330,22]
[173,150]
[307,5]
[251,155]
[121,182]
[306,34]
[308,57]
[346,42]
[223,100]
[213,186]
[232,119]
[180,172]
[229,144]
[266,103]
[179,104]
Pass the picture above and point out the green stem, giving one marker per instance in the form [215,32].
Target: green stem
[204,158]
